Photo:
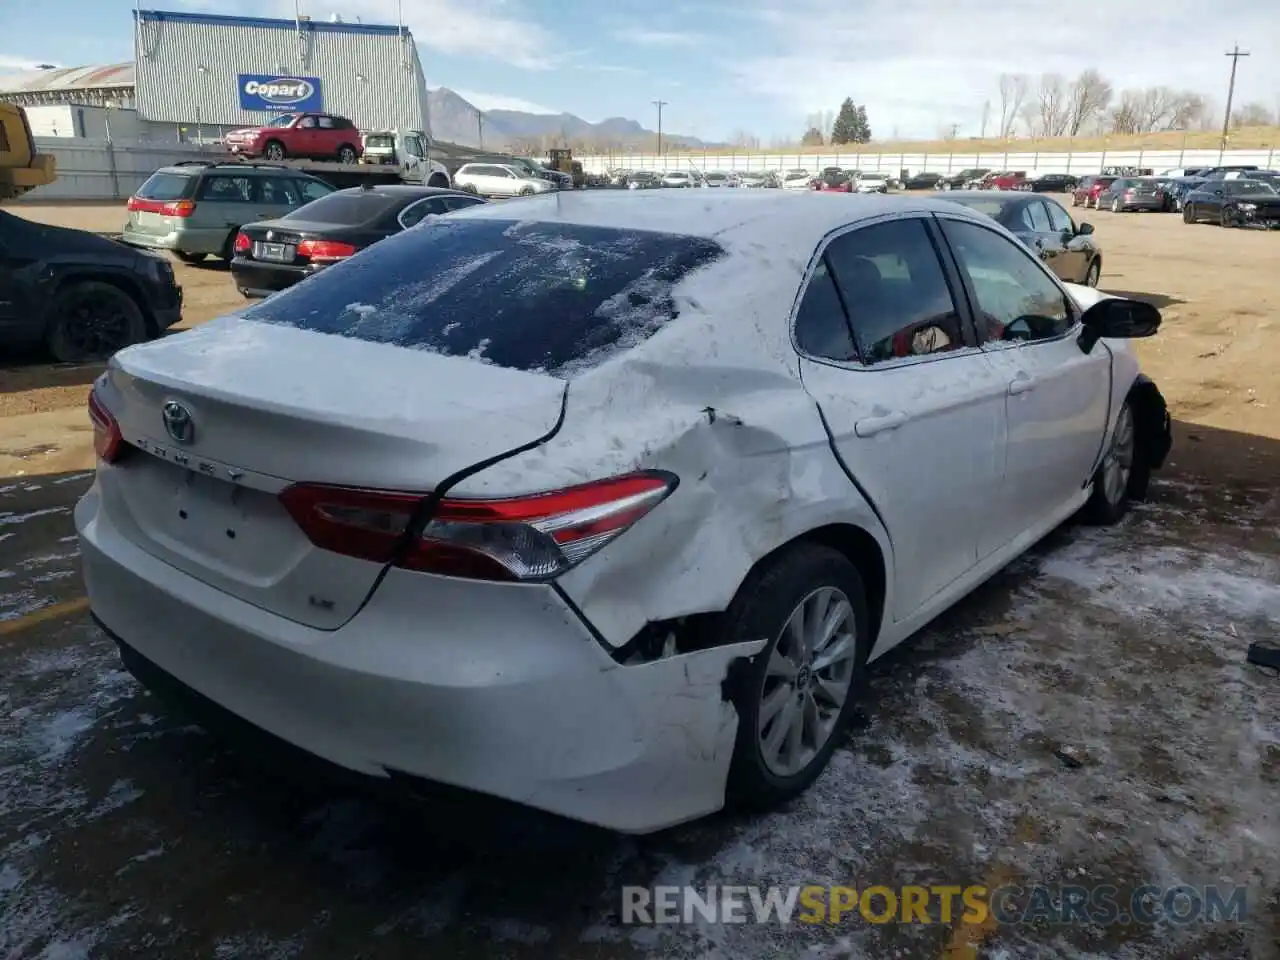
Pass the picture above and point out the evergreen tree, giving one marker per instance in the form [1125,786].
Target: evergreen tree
[845,129]
[812,138]
[861,127]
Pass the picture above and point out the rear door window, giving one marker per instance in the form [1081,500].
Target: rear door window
[1037,217]
[167,186]
[277,192]
[225,189]
[550,297]
[460,203]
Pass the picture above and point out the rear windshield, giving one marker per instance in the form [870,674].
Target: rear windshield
[167,186]
[555,298]
[345,207]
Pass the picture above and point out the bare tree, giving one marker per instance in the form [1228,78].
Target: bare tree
[1030,117]
[1087,99]
[1252,115]
[1051,105]
[1189,111]
[744,140]
[1013,93]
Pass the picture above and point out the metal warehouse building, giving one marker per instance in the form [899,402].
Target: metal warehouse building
[202,71]
[238,71]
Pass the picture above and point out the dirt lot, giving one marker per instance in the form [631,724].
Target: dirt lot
[1086,718]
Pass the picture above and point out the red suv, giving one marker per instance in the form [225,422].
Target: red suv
[317,136]
[1087,190]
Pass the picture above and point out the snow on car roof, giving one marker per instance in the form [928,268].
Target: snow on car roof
[799,220]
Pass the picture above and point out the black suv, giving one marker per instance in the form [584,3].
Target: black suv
[957,181]
[80,295]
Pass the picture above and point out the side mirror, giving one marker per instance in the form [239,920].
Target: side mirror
[1085,229]
[1117,318]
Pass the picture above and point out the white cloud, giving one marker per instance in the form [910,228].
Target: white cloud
[10,64]
[659,38]
[496,101]
[920,66]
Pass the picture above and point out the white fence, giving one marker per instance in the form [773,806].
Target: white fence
[99,170]
[102,170]
[1076,163]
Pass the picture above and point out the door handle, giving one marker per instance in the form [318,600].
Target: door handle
[870,426]
[1021,384]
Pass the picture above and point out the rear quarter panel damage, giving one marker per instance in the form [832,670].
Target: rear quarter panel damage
[756,471]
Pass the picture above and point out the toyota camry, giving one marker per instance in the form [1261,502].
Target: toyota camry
[600,502]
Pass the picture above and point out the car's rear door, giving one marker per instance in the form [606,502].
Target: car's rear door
[1057,396]
[915,410]
[1046,241]
[224,203]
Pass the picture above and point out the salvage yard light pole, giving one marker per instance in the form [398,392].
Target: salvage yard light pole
[659,104]
[1235,54]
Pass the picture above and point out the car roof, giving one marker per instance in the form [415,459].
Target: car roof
[198,167]
[733,217]
[404,190]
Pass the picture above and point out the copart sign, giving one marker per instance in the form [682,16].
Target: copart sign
[268,92]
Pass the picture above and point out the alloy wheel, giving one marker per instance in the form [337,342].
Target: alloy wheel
[806,681]
[1094,275]
[96,327]
[1118,463]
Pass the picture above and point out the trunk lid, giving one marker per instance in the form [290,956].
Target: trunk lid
[270,405]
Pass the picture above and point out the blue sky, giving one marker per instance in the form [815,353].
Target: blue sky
[756,66]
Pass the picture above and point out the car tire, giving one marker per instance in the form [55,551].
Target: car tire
[274,150]
[797,578]
[470,188]
[347,154]
[1116,484]
[1115,206]
[1075,201]
[438,182]
[1188,213]
[91,320]
[1225,218]
[1093,275]
[228,251]
[191,258]
[946,186]
[526,191]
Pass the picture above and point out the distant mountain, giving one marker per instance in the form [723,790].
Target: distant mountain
[454,119]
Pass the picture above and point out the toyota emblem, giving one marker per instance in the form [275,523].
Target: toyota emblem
[177,422]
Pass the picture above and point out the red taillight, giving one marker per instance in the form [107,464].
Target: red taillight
[243,244]
[324,251]
[1128,194]
[524,538]
[170,208]
[107,439]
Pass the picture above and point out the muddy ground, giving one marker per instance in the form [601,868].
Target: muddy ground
[1086,718]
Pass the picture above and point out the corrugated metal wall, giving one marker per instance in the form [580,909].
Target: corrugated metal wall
[368,74]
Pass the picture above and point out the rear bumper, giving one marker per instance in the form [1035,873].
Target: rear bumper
[257,279]
[495,688]
[184,241]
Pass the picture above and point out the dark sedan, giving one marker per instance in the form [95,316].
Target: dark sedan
[1130,193]
[272,255]
[1049,183]
[1045,227]
[1233,203]
[922,181]
[1177,189]
[80,295]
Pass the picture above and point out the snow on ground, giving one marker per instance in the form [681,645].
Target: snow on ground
[122,830]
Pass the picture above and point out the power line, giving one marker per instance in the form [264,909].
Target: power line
[659,104]
[1235,54]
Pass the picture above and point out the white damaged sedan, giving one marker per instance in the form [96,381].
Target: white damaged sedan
[602,502]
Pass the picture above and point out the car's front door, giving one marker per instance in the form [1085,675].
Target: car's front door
[1058,396]
[307,137]
[915,409]
[1077,249]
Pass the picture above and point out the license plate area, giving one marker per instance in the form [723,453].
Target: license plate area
[210,522]
[274,252]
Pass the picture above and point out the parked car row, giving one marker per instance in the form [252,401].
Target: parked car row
[1230,195]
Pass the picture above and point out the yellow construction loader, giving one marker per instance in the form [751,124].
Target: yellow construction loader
[21,168]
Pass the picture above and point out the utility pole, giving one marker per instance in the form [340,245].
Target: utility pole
[659,104]
[1235,54]
[986,116]
[955,130]
[480,128]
